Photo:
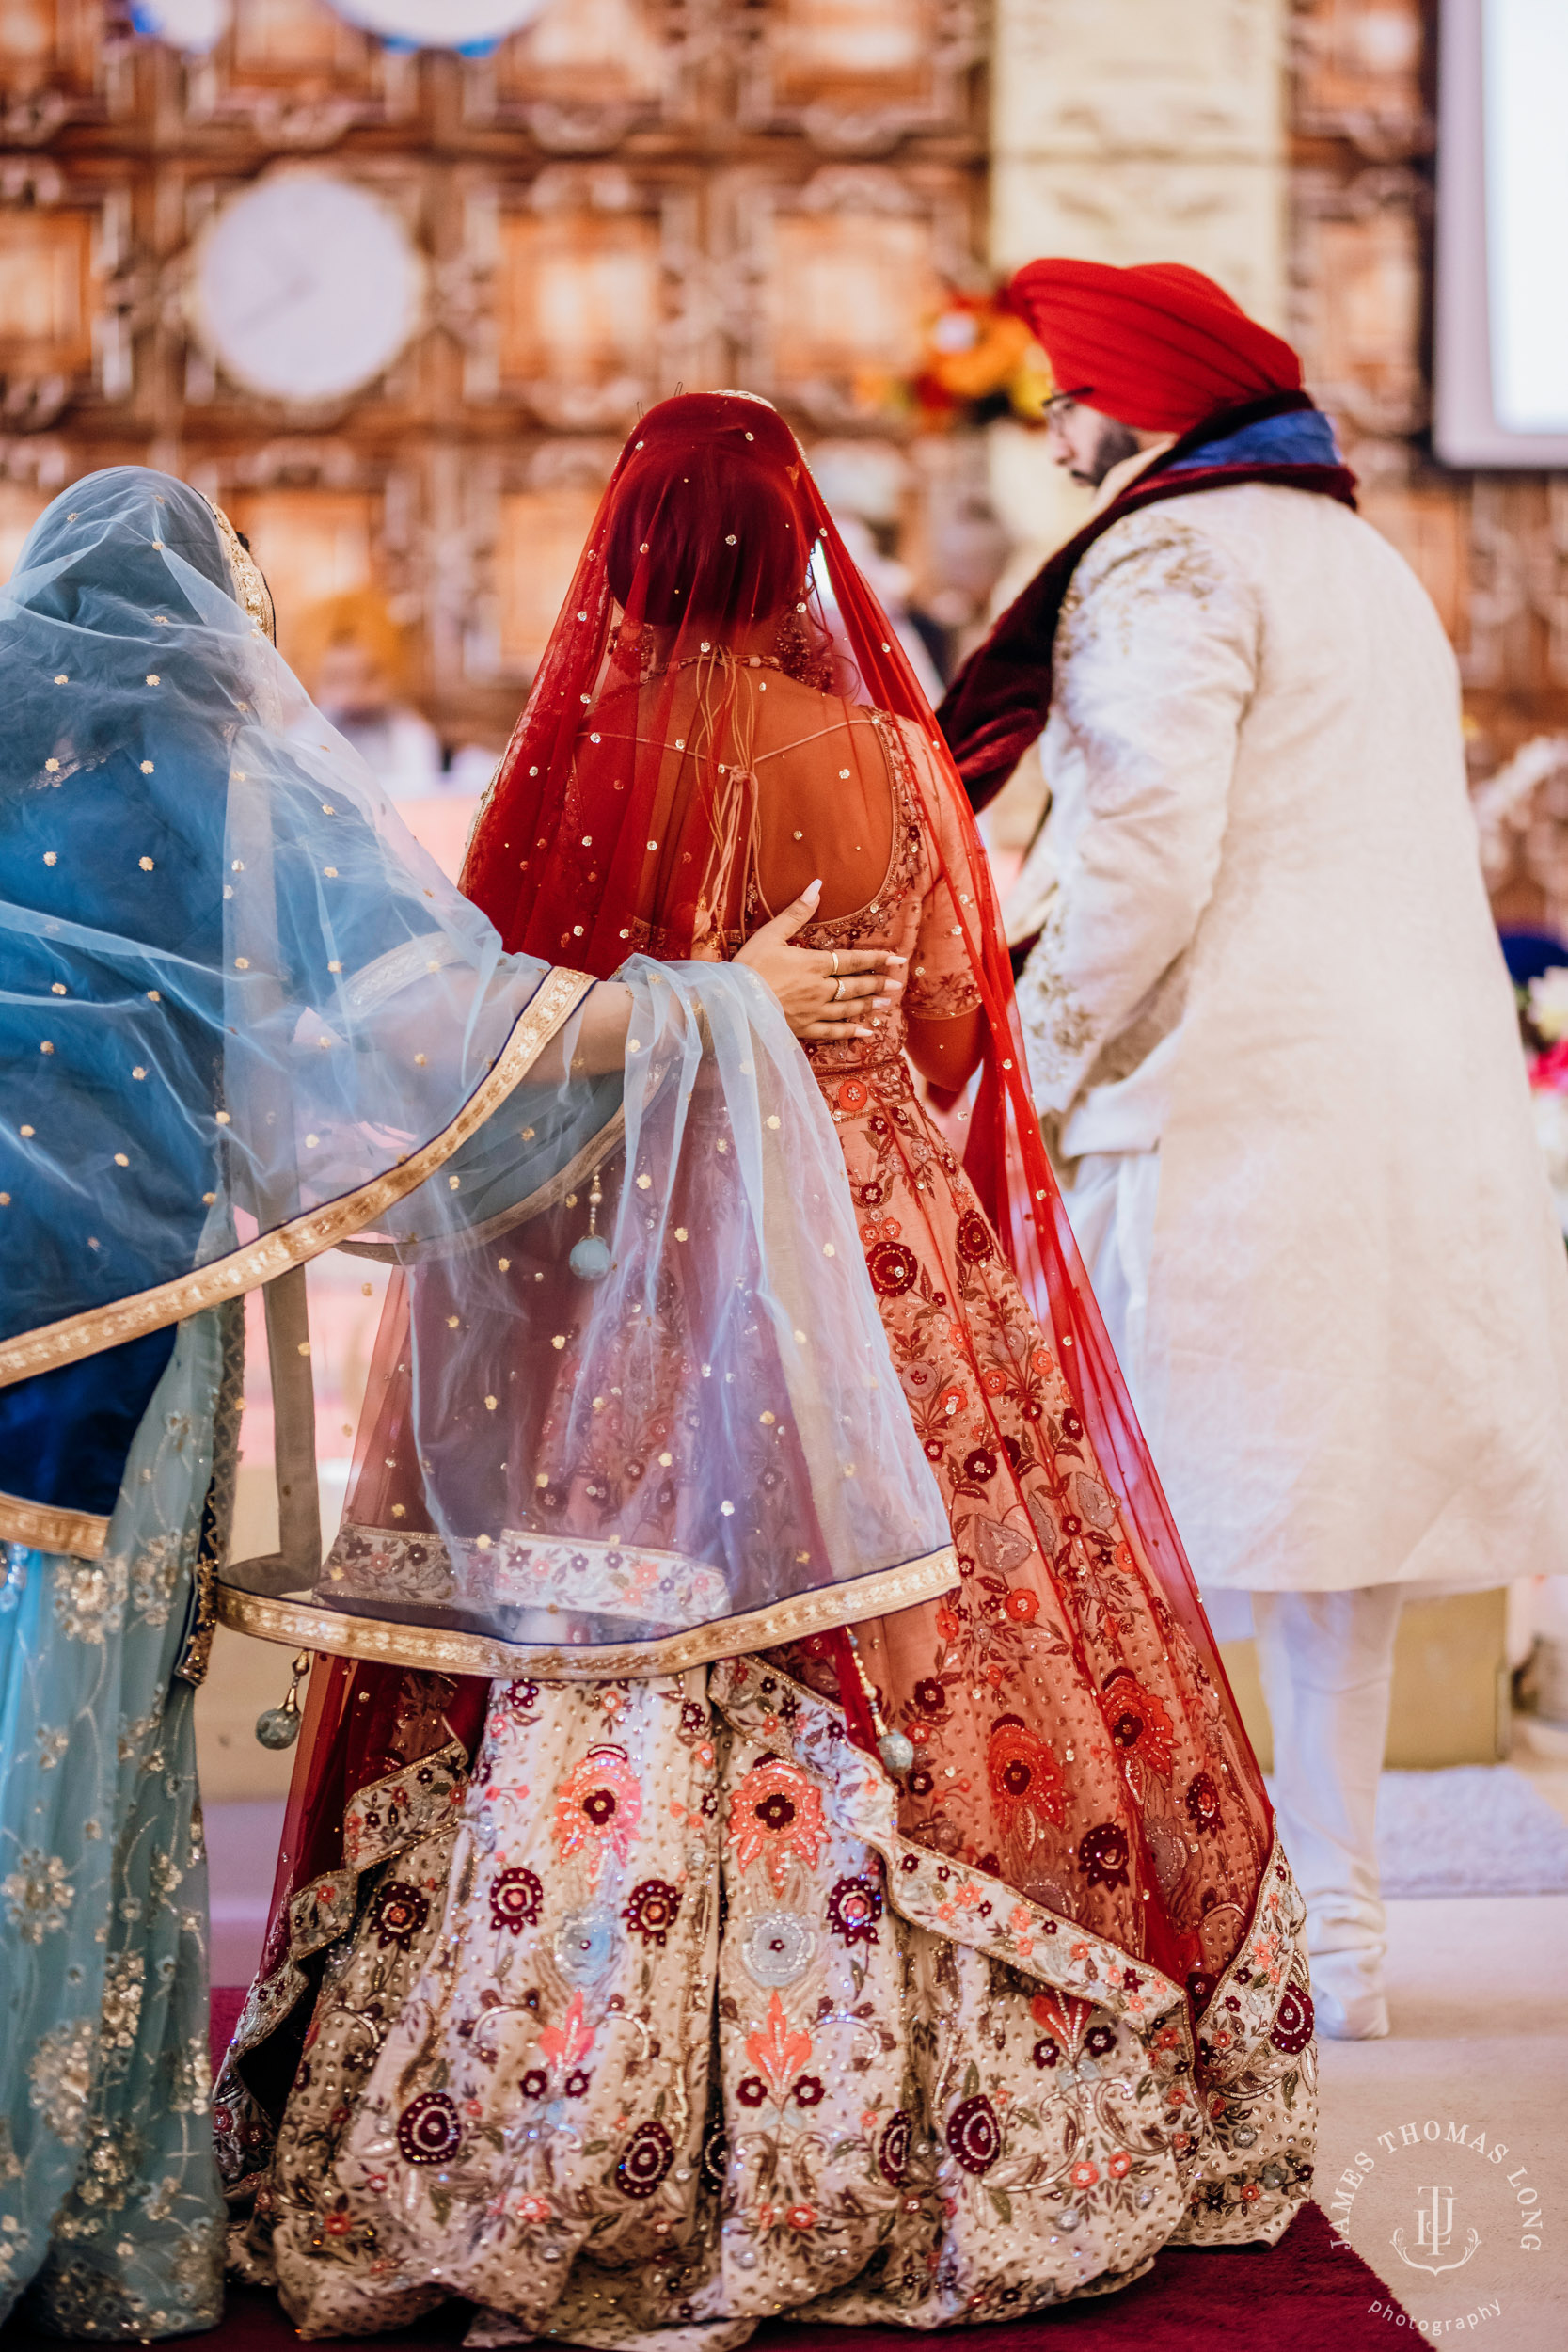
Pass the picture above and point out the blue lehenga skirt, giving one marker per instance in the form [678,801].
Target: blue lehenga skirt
[111,2216]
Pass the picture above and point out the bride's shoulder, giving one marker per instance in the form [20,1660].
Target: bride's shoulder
[801,713]
[918,741]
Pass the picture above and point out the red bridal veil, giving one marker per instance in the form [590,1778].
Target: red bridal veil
[610,830]
[628,815]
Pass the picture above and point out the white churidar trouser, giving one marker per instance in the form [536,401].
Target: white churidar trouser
[1111,1210]
[1326,1658]
[1327,1663]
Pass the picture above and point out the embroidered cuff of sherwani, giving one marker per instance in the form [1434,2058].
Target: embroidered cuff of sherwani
[49,1527]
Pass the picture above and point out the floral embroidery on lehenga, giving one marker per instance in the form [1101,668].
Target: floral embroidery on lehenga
[720,2020]
[926,2097]
[777,1815]
[597,1807]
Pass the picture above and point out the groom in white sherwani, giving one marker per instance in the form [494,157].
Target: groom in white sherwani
[1269,1026]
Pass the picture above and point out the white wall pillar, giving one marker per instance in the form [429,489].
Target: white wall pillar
[1143,130]
[1132,131]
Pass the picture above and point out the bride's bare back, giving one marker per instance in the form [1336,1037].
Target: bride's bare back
[811,767]
[816,796]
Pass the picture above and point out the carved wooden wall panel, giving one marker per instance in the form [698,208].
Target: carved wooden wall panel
[1360,73]
[1491,549]
[834,281]
[856,76]
[587,215]
[1427,524]
[294,77]
[1360,294]
[20,508]
[515,521]
[579,308]
[537,546]
[68,289]
[284,43]
[311,543]
[53,45]
[583,78]
[46,292]
[60,61]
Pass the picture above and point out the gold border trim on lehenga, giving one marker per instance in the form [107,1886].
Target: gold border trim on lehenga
[299,1623]
[47,1527]
[302,1238]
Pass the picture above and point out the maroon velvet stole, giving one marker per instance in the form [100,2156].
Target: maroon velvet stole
[998,702]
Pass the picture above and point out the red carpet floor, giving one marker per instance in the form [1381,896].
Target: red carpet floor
[1301,2296]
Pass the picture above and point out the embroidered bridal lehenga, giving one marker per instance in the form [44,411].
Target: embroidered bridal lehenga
[637,2009]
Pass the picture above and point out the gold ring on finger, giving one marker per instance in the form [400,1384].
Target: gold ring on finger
[838,991]
[835,963]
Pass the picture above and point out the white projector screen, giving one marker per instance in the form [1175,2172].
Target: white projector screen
[1502,234]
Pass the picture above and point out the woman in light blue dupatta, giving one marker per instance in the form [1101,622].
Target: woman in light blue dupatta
[108,2194]
[242,1018]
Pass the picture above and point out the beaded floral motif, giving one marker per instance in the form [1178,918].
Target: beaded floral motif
[516,1897]
[654,1908]
[59,2078]
[929,1888]
[597,1807]
[90,1597]
[37,1895]
[777,1814]
[1242,2006]
[384,1820]
[854,1908]
[1141,1728]
[320,1913]
[398,1913]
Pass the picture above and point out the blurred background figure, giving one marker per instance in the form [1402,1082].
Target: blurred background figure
[863,486]
[350,657]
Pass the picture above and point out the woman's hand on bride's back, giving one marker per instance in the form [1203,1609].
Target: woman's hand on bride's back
[825,992]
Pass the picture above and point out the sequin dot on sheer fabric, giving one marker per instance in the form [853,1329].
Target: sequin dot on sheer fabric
[686,2011]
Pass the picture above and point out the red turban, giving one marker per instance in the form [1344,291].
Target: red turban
[1160,346]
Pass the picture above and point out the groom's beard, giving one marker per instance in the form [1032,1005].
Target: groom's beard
[1115,442]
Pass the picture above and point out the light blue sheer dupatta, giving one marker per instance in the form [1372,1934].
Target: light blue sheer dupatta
[109,2197]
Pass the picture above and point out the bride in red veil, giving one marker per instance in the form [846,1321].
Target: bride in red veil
[935,1973]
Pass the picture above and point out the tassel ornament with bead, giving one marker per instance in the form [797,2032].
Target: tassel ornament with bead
[896,1748]
[279,1727]
[590,1257]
